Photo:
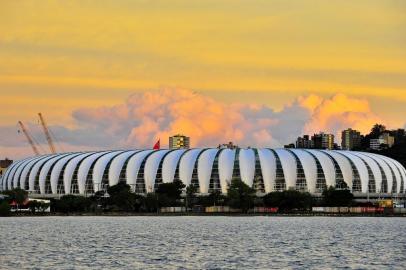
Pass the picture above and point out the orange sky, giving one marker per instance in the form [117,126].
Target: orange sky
[59,56]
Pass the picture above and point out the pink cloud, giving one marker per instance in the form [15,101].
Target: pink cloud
[337,113]
[146,116]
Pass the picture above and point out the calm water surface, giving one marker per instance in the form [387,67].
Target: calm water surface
[202,243]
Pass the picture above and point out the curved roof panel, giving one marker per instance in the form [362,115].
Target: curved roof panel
[288,163]
[226,164]
[151,168]
[247,166]
[187,164]
[134,165]
[163,165]
[117,165]
[204,167]
[170,164]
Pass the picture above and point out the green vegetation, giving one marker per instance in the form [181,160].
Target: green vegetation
[37,206]
[337,197]
[120,198]
[191,191]
[397,151]
[240,195]
[71,203]
[289,200]
[4,209]
[169,194]
[17,194]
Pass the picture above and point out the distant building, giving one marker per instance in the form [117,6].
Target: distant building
[317,141]
[350,139]
[229,145]
[291,145]
[376,144]
[323,141]
[385,140]
[389,139]
[304,142]
[4,165]
[179,141]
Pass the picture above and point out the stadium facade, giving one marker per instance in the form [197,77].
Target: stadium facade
[209,169]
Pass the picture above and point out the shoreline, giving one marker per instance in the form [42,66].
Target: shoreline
[129,214]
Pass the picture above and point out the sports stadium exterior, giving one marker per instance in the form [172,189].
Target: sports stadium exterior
[209,169]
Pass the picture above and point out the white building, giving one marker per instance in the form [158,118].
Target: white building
[209,169]
[375,144]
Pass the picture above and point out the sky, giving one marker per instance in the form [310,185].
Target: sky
[121,74]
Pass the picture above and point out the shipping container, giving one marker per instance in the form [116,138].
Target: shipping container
[217,209]
[333,210]
[385,203]
[355,210]
[172,209]
[399,210]
[379,210]
[318,209]
[265,210]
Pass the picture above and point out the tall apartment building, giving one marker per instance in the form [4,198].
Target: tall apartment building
[389,139]
[323,141]
[179,141]
[317,141]
[384,141]
[4,164]
[304,142]
[350,139]
[375,144]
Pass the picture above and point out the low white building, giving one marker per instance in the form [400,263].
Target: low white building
[209,169]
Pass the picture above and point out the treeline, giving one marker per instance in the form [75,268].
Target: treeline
[18,198]
[120,198]
[397,151]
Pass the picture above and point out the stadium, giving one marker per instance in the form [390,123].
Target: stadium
[209,169]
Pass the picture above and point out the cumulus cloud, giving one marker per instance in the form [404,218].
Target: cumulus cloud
[337,113]
[146,116]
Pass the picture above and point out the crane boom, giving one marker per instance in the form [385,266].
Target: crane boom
[27,135]
[47,135]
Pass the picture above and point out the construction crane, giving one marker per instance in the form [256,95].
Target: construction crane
[47,134]
[27,135]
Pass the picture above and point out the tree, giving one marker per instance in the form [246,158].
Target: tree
[377,130]
[5,210]
[121,197]
[169,194]
[33,206]
[71,203]
[337,197]
[191,191]
[172,190]
[240,195]
[17,194]
[43,206]
[150,202]
[215,197]
[288,200]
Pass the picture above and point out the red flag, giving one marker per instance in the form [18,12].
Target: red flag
[157,145]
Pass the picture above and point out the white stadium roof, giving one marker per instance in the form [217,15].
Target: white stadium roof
[210,169]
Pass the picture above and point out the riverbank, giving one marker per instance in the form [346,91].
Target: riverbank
[124,214]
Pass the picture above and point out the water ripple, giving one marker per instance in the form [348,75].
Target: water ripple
[202,243]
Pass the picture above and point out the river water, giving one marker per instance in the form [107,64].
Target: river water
[202,243]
